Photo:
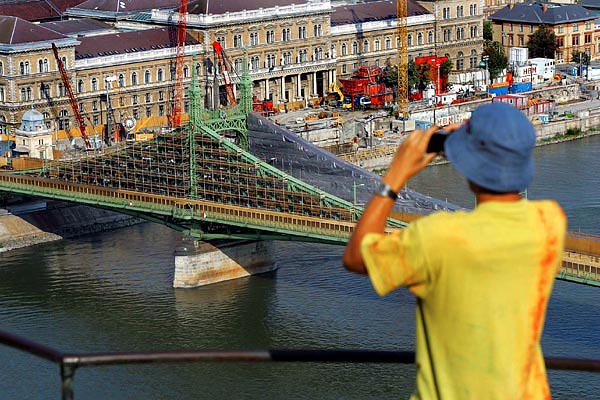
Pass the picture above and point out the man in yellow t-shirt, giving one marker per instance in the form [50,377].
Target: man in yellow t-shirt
[482,278]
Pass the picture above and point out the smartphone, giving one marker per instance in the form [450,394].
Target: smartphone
[436,143]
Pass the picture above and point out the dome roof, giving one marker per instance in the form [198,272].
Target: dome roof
[32,121]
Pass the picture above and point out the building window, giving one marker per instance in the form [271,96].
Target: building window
[510,27]
[317,30]
[95,105]
[43,65]
[473,9]
[430,37]
[80,86]
[270,36]
[521,41]
[134,99]
[318,53]
[365,46]
[1,69]
[575,40]
[409,40]
[559,29]
[270,61]
[473,59]
[148,98]
[575,27]
[560,41]
[354,48]
[147,78]
[237,41]
[344,49]
[161,110]
[24,67]
[446,13]
[161,95]
[253,38]
[287,58]
[588,38]
[474,32]
[255,62]
[588,25]
[186,71]
[121,80]
[344,69]
[221,41]
[160,75]
[134,78]
[419,38]
[459,11]
[44,91]
[96,119]
[303,55]
[286,36]
[148,111]
[301,32]
[521,28]
[447,34]
[388,43]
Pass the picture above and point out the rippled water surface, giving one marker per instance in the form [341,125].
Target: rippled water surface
[112,292]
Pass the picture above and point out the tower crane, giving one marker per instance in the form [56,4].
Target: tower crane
[67,84]
[225,72]
[180,58]
[402,98]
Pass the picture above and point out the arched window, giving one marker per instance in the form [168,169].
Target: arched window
[420,38]
[1,69]
[94,84]
[365,46]
[354,48]
[388,43]
[121,80]
[160,75]
[61,89]
[24,67]
[186,71]
[3,129]
[430,37]
[344,49]
[460,61]
[134,78]
[377,45]
[80,86]
[409,40]
[147,78]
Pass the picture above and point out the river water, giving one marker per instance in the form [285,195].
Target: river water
[112,292]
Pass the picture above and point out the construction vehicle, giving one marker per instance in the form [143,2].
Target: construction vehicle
[366,88]
[224,67]
[264,107]
[335,97]
[67,85]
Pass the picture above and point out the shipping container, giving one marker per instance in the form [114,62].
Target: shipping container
[520,87]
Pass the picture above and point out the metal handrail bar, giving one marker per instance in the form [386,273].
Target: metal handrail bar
[70,362]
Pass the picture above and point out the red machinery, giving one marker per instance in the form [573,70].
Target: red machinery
[65,79]
[225,72]
[265,107]
[367,82]
[180,58]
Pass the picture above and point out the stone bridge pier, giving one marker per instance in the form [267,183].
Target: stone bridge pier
[199,263]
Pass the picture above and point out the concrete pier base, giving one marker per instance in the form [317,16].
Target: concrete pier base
[199,263]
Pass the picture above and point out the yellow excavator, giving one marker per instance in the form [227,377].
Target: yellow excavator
[335,97]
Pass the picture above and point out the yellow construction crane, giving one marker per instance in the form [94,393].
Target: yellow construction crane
[402,98]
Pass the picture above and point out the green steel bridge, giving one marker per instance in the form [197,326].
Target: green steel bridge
[201,180]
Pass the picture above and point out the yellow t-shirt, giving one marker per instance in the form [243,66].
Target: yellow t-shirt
[482,280]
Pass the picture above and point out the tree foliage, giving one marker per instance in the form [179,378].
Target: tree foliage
[497,59]
[580,57]
[542,43]
[487,30]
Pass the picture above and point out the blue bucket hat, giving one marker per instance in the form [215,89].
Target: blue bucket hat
[494,148]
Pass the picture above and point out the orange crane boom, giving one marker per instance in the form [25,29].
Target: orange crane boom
[402,14]
[225,72]
[65,79]
[180,58]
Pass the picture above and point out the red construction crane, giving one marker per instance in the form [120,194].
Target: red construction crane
[180,58]
[225,72]
[67,84]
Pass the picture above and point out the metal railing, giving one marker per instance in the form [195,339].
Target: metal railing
[69,362]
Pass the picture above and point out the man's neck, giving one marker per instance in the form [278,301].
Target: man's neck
[502,197]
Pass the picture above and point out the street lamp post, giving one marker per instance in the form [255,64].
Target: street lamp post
[354,186]
[484,64]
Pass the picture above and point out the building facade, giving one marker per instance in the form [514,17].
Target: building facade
[572,24]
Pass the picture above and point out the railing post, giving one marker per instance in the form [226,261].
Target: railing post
[67,372]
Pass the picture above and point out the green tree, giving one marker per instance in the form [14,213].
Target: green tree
[497,59]
[487,30]
[580,57]
[542,43]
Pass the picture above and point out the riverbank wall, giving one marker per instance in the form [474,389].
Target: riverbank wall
[29,223]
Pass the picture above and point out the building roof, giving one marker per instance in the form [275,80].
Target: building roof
[125,6]
[127,43]
[36,10]
[205,7]
[372,11]
[542,13]
[590,4]
[14,31]
[77,26]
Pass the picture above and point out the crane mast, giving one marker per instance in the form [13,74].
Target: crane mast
[180,58]
[402,15]
[225,72]
[67,84]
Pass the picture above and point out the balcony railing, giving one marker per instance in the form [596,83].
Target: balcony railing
[69,362]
